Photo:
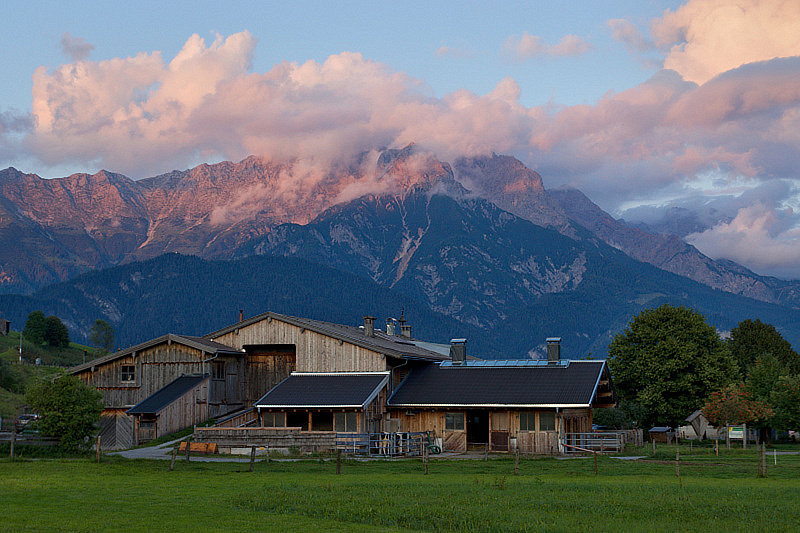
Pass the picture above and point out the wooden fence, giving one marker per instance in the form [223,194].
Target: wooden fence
[382,444]
[601,441]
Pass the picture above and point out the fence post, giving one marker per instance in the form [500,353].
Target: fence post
[187,450]
[338,461]
[486,453]
[174,455]
[252,457]
[516,462]
[595,463]
[678,462]
[13,440]
[98,448]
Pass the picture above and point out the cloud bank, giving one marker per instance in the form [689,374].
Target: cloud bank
[716,124]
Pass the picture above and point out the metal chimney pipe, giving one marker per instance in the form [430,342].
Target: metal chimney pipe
[241,315]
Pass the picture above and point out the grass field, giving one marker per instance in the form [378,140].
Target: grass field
[711,494]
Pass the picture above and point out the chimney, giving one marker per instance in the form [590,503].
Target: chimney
[241,315]
[458,351]
[390,326]
[369,326]
[553,350]
[405,331]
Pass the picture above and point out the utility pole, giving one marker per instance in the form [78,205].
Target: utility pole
[20,347]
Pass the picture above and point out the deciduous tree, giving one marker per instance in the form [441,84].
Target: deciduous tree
[69,409]
[668,361]
[34,328]
[786,399]
[102,335]
[752,339]
[55,332]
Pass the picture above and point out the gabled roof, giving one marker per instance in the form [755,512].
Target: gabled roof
[478,384]
[392,345]
[199,343]
[328,390]
[167,394]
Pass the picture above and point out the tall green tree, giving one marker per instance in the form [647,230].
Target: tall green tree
[102,335]
[786,399]
[34,328]
[668,361]
[752,339]
[69,409]
[55,332]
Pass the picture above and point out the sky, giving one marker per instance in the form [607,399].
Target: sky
[654,109]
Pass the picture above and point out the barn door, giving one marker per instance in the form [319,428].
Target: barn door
[500,432]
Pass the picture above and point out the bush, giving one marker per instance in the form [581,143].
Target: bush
[69,409]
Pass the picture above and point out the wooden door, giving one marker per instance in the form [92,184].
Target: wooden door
[499,431]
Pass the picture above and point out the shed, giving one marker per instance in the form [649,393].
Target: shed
[699,423]
[662,434]
[5,327]
[180,404]
[345,402]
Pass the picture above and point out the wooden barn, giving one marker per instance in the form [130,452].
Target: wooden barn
[129,376]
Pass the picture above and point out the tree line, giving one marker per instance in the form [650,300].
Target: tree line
[669,362]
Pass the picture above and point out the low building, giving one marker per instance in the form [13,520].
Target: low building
[5,327]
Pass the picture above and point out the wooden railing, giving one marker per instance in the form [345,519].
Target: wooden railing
[381,444]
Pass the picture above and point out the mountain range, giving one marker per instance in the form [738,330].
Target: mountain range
[478,242]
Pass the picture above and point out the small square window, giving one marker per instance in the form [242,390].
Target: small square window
[547,421]
[128,373]
[346,422]
[527,421]
[454,421]
[273,420]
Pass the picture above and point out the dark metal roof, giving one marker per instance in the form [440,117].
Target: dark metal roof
[562,385]
[198,343]
[393,345]
[166,395]
[311,390]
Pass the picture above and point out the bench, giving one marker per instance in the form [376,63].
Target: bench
[199,447]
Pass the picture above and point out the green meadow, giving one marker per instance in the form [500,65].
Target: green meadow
[711,494]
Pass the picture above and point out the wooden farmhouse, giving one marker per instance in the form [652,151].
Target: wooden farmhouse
[309,380]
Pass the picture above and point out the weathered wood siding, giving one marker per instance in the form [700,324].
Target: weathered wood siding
[504,425]
[116,429]
[264,371]
[315,352]
[159,365]
[184,412]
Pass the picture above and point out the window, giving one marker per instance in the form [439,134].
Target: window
[346,422]
[273,420]
[218,370]
[527,421]
[547,421]
[128,373]
[322,421]
[454,421]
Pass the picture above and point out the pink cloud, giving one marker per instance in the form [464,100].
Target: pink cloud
[528,46]
[143,114]
[704,38]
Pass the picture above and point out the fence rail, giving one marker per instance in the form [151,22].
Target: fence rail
[602,442]
[381,444]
